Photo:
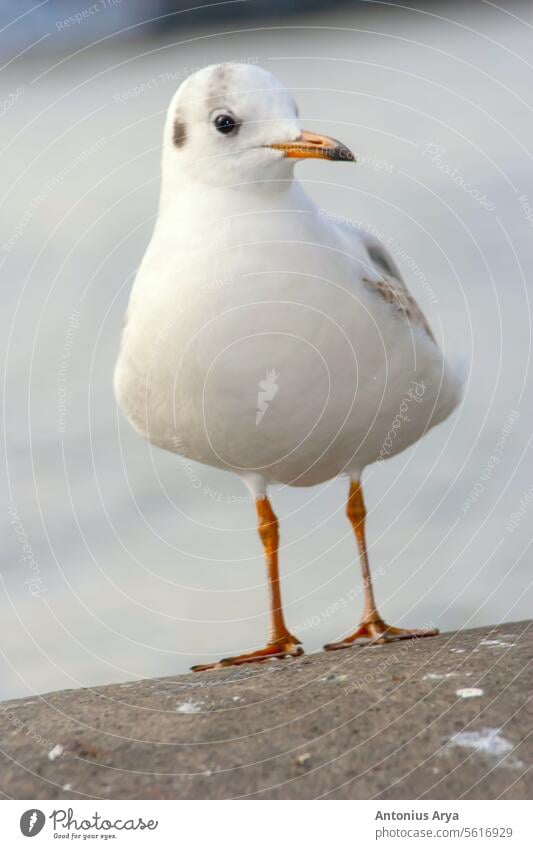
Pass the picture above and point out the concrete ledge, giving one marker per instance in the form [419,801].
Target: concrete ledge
[381,722]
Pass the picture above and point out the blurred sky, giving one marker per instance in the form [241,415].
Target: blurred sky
[121,562]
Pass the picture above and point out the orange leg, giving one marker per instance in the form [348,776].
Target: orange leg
[372,628]
[281,643]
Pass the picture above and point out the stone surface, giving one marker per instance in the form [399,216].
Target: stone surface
[440,718]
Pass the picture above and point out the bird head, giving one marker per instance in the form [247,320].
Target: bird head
[236,124]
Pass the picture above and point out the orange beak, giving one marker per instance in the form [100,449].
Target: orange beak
[313,146]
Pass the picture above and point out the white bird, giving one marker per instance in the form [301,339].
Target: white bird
[265,337]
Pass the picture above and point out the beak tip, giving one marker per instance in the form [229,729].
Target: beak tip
[346,155]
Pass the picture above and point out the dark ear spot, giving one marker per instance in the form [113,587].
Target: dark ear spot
[180,132]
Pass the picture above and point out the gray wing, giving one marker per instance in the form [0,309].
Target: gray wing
[391,286]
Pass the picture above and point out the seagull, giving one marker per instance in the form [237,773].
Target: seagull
[266,337]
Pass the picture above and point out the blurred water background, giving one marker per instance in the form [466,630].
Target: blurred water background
[119,561]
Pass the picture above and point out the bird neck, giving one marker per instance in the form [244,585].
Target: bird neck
[203,202]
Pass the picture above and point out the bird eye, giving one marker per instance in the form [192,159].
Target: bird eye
[226,124]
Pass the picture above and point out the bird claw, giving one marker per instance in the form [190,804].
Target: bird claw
[284,648]
[377,633]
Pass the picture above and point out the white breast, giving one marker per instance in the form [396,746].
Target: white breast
[258,347]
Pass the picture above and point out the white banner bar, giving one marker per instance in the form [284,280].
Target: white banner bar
[262,825]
